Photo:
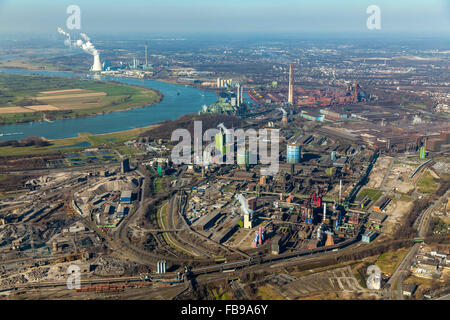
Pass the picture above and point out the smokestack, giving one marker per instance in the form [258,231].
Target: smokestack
[146,53]
[324,212]
[242,94]
[291,86]
[340,190]
[238,95]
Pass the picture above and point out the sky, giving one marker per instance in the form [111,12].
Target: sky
[226,16]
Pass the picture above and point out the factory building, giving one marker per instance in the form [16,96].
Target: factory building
[243,158]
[125,165]
[382,204]
[126,197]
[377,217]
[207,221]
[434,145]
[221,143]
[276,245]
[251,203]
[109,209]
[121,211]
[230,226]
[221,83]
[293,153]
[369,236]
[248,221]
[409,289]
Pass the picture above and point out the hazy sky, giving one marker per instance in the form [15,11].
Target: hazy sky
[117,16]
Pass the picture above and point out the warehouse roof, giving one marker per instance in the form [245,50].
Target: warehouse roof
[127,194]
[377,217]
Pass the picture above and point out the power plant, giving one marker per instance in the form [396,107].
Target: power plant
[87,47]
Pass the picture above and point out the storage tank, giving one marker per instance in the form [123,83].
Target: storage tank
[293,153]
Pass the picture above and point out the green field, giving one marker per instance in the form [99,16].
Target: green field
[389,261]
[24,90]
[219,295]
[373,194]
[427,184]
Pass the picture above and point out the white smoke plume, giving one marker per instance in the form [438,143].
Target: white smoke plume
[87,47]
[85,37]
[61,31]
[67,41]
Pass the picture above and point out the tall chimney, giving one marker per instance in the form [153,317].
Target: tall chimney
[238,95]
[291,86]
[146,53]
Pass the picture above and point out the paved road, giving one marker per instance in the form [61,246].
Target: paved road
[387,174]
[424,219]
[400,273]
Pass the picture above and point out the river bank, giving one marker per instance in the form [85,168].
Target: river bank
[176,101]
[23,92]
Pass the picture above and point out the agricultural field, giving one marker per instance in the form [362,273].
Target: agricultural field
[26,98]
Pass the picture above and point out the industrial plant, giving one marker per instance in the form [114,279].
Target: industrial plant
[86,46]
[312,168]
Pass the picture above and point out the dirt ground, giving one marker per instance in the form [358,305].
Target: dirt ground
[314,286]
[80,104]
[378,172]
[343,296]
[242,239]
[396,211]
[399,178]
[62,91]
[14,110]
[70,96]
[44,107]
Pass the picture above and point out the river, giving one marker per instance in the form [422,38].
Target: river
[177,101]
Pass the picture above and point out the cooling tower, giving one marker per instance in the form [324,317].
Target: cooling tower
[97,66]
